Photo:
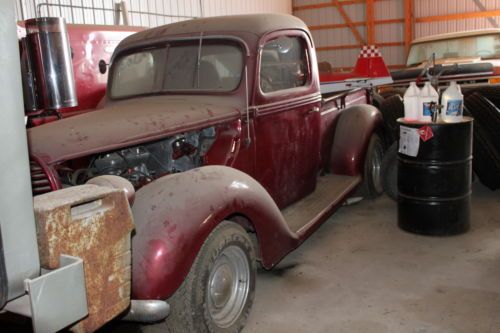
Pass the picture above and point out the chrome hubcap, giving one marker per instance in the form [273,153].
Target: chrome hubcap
[228,286]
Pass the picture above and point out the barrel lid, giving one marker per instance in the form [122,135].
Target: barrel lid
[403,121]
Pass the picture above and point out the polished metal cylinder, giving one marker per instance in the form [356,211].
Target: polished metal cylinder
[48,39]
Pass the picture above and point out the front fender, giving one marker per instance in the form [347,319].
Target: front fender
[352,135]
[175,214]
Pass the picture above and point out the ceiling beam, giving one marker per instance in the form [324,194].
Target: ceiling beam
[460,16]
[328,4]
[357,23]
[325,5]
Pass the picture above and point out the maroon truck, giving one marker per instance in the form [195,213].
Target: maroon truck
[234,154]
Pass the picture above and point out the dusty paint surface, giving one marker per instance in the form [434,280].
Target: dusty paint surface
[93,223]
[128,122]
[175,214]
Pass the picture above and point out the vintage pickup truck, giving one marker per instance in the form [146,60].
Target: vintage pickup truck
[235,156]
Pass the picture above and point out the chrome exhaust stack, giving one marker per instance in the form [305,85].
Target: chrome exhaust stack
[47,66]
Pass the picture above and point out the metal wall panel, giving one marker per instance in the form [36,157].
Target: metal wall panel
[341,58]
[393,55]
[424,8]
[389,9]
[297,3]
[386,33]
[356,12]
[229,7]
[435,28]
[444,7]
[148,13]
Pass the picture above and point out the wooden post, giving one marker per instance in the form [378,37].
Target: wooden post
[370,22]
[126,16]
[117,13]
[409,24]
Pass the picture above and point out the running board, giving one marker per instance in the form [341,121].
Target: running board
[331,190]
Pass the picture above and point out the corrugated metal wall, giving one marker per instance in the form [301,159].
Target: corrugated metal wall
[337,44]
[149,13]
[425,8]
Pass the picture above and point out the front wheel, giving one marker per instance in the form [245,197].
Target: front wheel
[217,294]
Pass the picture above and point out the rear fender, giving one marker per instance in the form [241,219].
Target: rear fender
[352,135]
[175,214]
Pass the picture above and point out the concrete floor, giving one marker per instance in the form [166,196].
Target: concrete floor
[361,273]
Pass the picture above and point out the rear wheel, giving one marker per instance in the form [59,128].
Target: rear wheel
[372,183]
[217,294]
[392,108]
[390,172]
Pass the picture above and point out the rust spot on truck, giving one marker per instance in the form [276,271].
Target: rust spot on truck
[93,223]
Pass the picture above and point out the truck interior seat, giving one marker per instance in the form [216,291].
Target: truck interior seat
[209,76]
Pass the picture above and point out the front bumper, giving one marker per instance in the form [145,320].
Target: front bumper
[147,311]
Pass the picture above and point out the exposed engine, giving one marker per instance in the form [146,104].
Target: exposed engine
[142,164]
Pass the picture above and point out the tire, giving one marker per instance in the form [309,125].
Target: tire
[207,301]
[377,100]
[486,115]
[492,93]
[389,172]
[387,93]
[392,108]
[372,180]
[486,161]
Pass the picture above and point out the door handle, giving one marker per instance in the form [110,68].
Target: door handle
[313,110]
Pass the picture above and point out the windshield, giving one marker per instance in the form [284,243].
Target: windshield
[484,46]
[181,66]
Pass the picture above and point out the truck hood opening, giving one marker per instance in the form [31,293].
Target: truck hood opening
[128,122]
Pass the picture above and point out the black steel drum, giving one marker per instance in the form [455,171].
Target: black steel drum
[434,187]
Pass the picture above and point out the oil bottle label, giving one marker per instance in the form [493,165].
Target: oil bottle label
[454,107]
[427,109]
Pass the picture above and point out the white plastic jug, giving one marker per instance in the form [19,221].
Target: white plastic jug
[453,103]
[411,100]
[427,95]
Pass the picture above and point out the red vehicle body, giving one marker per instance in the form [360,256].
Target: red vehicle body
[89,45]
[241,155]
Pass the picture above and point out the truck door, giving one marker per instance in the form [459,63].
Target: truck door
[287,124]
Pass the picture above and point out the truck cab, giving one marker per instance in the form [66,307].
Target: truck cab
[234,154]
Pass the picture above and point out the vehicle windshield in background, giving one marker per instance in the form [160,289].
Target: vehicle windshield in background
[484,46]
[183,67]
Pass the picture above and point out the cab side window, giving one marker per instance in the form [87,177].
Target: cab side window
[283,64]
